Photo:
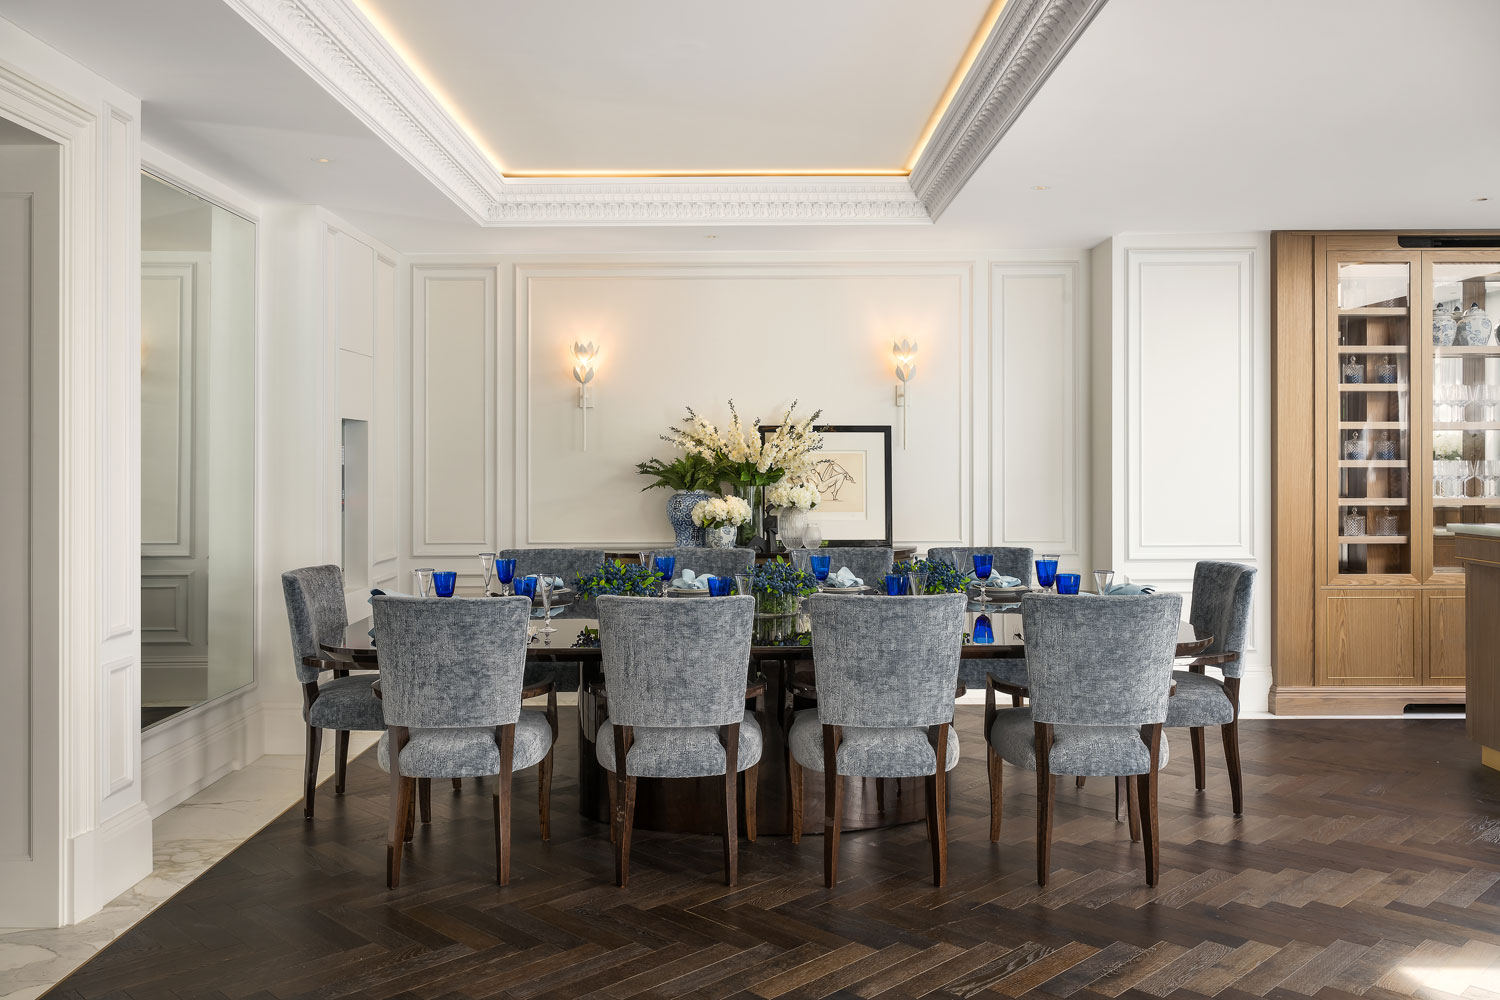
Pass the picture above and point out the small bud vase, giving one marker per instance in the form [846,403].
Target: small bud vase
[721,537]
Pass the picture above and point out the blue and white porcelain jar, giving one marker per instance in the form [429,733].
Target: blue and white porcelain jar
[680,513]
[1474,327]
[1444,326]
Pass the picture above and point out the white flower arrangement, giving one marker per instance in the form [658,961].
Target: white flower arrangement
[741,453]
[721,512]
[802,496]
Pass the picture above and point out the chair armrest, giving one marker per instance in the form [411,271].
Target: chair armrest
[320,664]
[537,689]
[1217,660]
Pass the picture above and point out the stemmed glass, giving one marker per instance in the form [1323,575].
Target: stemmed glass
[424,581]
[487,566]
[984,565]
[1102,580]
[819,565]
[664,565]
[505,572]
[1491,484]
[544,591]
[1046,571]
[1473,477]
[918,585]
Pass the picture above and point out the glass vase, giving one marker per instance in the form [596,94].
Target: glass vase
[775,617]
[750,532]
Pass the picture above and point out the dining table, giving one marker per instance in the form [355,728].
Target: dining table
[780,681]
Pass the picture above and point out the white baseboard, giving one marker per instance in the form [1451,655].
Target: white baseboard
[185,755]
[109,859]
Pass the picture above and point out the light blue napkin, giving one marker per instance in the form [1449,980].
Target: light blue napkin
[557,581]
[844,578]
[996,580]
[690,581]
[1127,590]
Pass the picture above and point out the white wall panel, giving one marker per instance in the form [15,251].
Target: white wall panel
[167,325]
[353,293]
[385,494]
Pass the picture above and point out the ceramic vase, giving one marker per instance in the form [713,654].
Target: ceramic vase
[1474,327]
[680,513]
[720,538]
[1444,327]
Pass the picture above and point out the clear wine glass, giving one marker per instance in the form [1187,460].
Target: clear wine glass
[1473,477]
[544,591]
[487,566]
[424,581]
[1103,578]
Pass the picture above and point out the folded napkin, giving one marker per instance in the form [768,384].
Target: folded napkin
[844,578]
[690,581]
[557,581]
[996,580]
[1127,589]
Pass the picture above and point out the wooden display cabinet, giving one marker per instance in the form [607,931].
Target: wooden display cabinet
[1384,435]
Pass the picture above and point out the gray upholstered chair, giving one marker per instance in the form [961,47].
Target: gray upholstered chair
[868,562]
[1008,560]
[316,612]
[569,564]
[1101,677]
[674,676]
[886,670]
[451,687]
[715,562]
[1221,606]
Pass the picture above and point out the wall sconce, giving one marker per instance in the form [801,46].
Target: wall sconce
[583,374]
[903,352]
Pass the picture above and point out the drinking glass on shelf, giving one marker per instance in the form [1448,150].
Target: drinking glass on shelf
[444,581]
[424,581]
[1046,570]
[1385,447]
[487,566]
[544,591]
[812,536]
[505,572]
[1354,522]
[1103,578]
[1490,486]
[1474,468]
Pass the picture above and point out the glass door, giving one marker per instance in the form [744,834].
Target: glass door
[1370,382]
[1464,476]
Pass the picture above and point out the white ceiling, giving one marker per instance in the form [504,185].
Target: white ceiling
[1166,116]
[683,85]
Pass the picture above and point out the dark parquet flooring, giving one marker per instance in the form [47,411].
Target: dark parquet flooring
[1367,864]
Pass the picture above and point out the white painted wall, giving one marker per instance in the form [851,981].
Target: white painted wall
[1182,432]
[998,441]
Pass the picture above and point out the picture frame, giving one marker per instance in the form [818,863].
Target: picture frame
[855,483]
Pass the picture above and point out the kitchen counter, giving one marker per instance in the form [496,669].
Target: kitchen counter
[1479,552]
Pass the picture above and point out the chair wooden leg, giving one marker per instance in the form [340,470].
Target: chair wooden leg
[341,761]
[1146,784]
[937,804]
[614,807]
[997,786]
[1200,759]
[794,797]
[310,778]
[458,785]
[752,783]
[625,804]
[879,795]
[729,736]
[1078,781]
[833,803]
[505,736]
[1231,732]
[411,812]
[1133,807]
[400,806]
[424,799]
[544,794]
[1044,789]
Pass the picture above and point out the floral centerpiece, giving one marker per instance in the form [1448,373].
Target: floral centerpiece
[749,462]
[942,578]
[778,587]
[628,579]
[790,502]
[719,517]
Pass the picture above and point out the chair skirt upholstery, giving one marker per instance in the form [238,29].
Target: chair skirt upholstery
[469,752]
[866,752]
[1200,701]
[1092,751]
[687,752]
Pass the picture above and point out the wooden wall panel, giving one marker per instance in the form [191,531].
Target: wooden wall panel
[1293,592]
[1445,639]
[1371,638]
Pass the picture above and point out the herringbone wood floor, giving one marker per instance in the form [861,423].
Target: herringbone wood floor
[1367,863]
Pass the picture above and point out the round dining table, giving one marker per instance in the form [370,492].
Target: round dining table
[779,682]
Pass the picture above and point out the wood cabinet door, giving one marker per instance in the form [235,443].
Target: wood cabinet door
[1445,639]
[1371,637]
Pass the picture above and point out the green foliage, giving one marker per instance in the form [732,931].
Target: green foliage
[942,578]
[628,579]
[690,472]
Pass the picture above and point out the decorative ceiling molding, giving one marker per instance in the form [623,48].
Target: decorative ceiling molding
[1027,43]
[334,43]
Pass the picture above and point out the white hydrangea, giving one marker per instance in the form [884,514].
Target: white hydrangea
[788,494]
[719,512]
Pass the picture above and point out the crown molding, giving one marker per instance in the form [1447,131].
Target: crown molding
[333,42]
[1027,43]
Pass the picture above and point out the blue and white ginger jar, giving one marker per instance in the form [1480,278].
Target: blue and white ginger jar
[1474,327]
[680,513]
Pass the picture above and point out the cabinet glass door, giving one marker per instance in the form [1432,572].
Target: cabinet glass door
[1465,479]
[1372,385]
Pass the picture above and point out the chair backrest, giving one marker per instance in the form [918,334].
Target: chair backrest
[569,564]
[1097,662]
[315,610]
[886,661]
[675,664]
[714,562]
[450,663]
[1221,605]
[1008,561]
[868,562]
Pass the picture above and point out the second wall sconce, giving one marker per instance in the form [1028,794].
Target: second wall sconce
[583,373]
[903,352]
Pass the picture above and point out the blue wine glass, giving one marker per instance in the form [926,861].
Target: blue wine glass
[984,632]
[443,581]
[664,566]
[1067,583]
[505,572]
[820,566]
[718,586]
[526,587]
[893,586]
[984,564]
[1046,571]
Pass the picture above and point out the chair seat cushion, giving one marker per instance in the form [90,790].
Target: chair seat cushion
[469,752]
[865,752]
[689,752]
[1200,701]
[1011,671]
[347,703]
[1092,751]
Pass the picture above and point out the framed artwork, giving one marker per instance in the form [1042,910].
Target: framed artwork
[854,483]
